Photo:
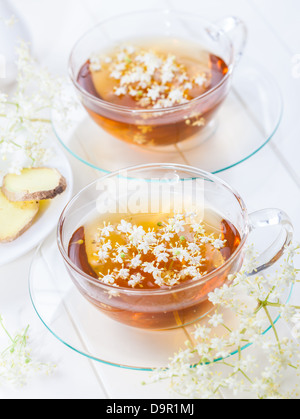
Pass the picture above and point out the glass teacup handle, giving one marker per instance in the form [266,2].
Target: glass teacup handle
[270,218]
[237,32]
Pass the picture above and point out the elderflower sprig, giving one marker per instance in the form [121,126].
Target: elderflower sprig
[17,365]
[153,79]
[216,360]
[171,252]
[25,123]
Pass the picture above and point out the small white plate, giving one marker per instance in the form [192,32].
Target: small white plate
[47,217]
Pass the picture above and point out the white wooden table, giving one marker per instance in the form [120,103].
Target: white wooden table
[269,179]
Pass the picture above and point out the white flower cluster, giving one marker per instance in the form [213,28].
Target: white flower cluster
[16,363]
[207,367]
[10,21]
[154,79]
[170,253]
[24,119]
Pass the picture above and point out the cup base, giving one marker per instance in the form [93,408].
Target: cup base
[190,143]
[157,322]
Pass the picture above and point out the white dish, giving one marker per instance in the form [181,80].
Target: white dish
[48,216]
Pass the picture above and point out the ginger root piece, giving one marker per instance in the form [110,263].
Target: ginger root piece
[15,218]
[34,184]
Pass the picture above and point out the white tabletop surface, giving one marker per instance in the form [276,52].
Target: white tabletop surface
[271,178]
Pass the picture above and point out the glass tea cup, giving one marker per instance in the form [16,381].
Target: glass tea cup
[158,188]
[225,41]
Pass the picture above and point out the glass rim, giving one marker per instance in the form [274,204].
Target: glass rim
[178,287]
[125,109]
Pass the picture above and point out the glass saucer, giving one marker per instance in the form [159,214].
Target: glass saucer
[84,329]
[245,123]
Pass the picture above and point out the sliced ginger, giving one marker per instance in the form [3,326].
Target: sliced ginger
[20,198]
[15,218]
[34,184]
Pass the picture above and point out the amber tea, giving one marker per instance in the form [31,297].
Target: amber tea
[153,253]
[154,77]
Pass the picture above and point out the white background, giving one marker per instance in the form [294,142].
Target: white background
[269,179]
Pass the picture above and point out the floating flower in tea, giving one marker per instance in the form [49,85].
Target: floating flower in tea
[158,74]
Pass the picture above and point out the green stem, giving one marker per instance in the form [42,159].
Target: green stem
[5,330]
[227,364]
[241,371]
[268,304]
[246,376]
[227,328]
[42,120]
[273,326]
[260,306]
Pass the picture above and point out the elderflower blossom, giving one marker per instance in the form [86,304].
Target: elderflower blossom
[137,234]
[216,320]
[154,79]
[218,244]
[102,255]
[17,363]
[296,318]
[160,254]
[136,261]
[207,366]
[135,280]
[123,273]
[125,227]
[108,279]
[106,230]
[201,332]
[144,247]
[149,267]
[24,115]
[163,257]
